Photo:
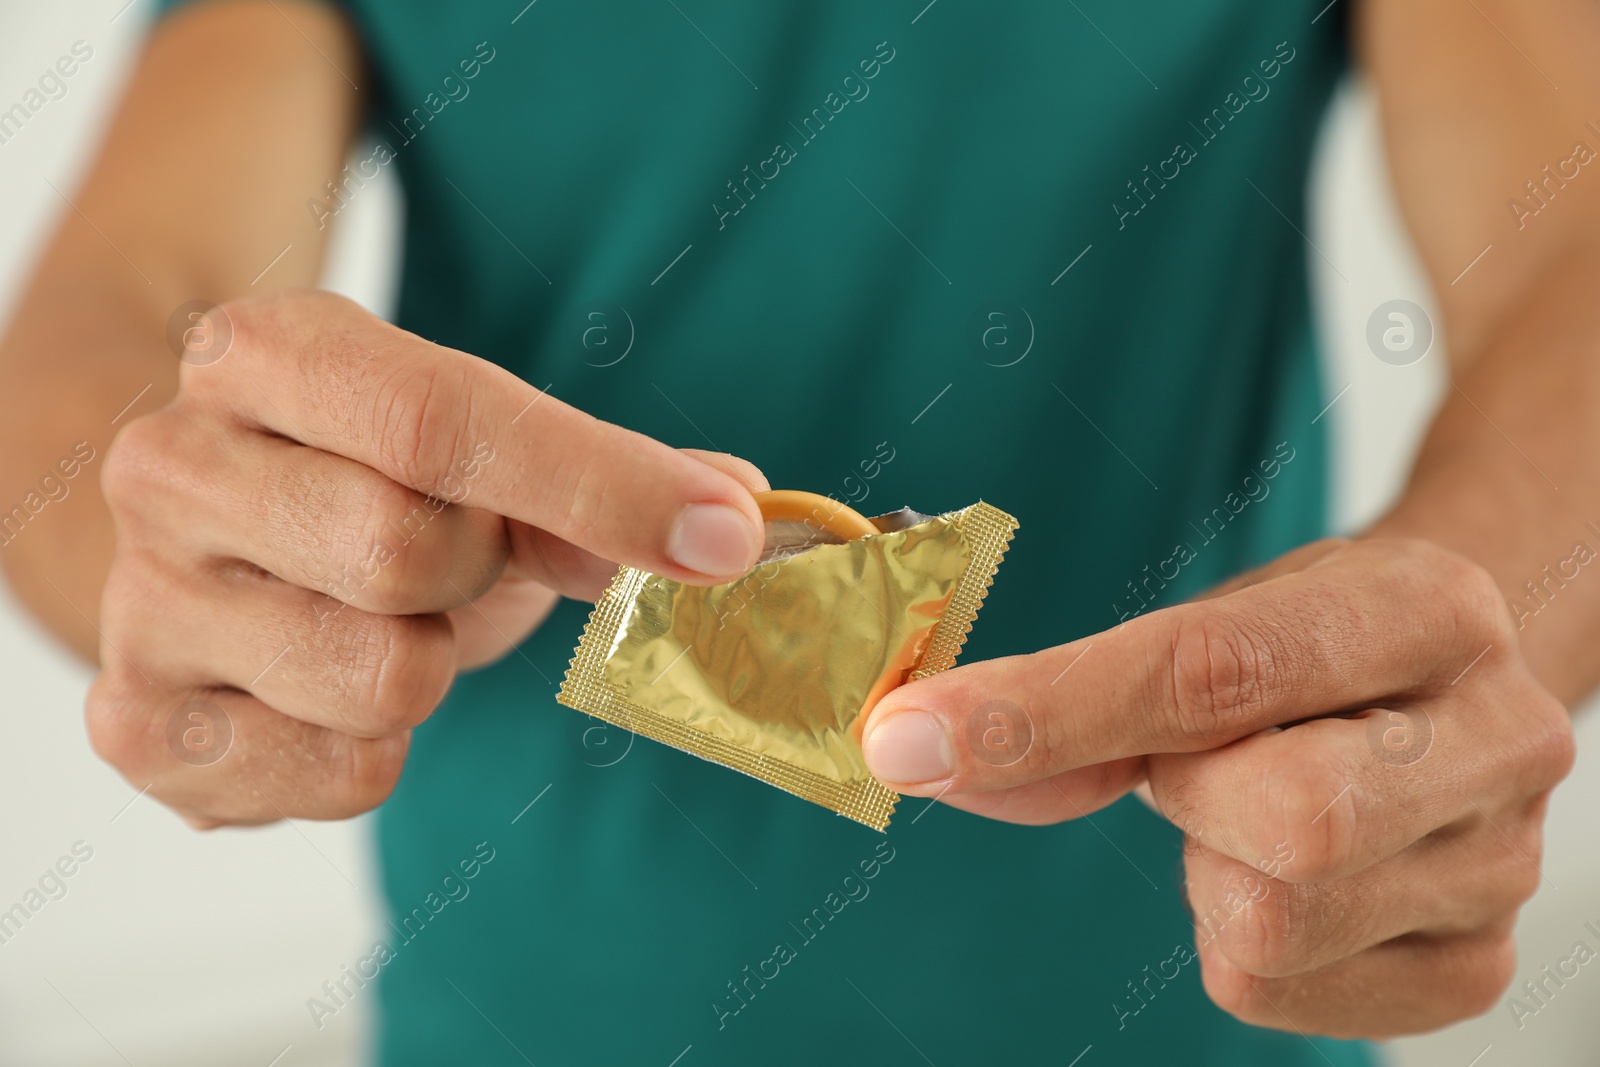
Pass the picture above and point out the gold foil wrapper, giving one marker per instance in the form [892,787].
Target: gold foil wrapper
[773,674]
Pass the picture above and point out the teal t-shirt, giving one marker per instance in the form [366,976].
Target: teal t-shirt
[904,253]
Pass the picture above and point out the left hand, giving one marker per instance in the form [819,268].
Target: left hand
[1351,743]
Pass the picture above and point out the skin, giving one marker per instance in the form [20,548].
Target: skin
[239,491]
[272,538]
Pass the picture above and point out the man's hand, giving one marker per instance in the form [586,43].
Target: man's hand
[329,521]
[1351,743]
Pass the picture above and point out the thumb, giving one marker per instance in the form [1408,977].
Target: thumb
[495,623]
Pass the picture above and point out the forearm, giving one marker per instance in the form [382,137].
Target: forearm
[1481,106]
[85,354]
[1509,474]
[236,117]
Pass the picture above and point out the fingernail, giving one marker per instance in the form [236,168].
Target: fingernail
[909,747]
[714,539]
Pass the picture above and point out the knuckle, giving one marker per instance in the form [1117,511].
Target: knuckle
[1474,609]
[1316,810]
[118,724]
[365,773]
[212,380]
[379,548]
[255,319]
[1538,748]
[1562,748]
[1487,975]
[142,460]
[1251,921]
[416,427]
[144,600]
[1220,675]
[1517,874]
[1522,877]
[586,488]
[1264,939]
[1230,988]
[1030,739]
[1551,742]
[256,325]
[399,670]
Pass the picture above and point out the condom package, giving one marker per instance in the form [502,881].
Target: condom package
[773,674]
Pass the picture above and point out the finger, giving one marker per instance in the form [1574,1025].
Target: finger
[305,655]
[324,522]
[217,756]
[1362,623]
[1071,795]
[572,571]
[1325,787]
[1349,792]
[1296,560]
[459,428]
[497,622]
[1406,986]
[1449,883]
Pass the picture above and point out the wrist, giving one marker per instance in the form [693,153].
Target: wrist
[1539,556]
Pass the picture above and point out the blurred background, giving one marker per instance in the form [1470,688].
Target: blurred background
[175,948]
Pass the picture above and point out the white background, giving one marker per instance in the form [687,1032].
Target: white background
[176,948]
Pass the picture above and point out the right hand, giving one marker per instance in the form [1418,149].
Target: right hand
[284,551]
